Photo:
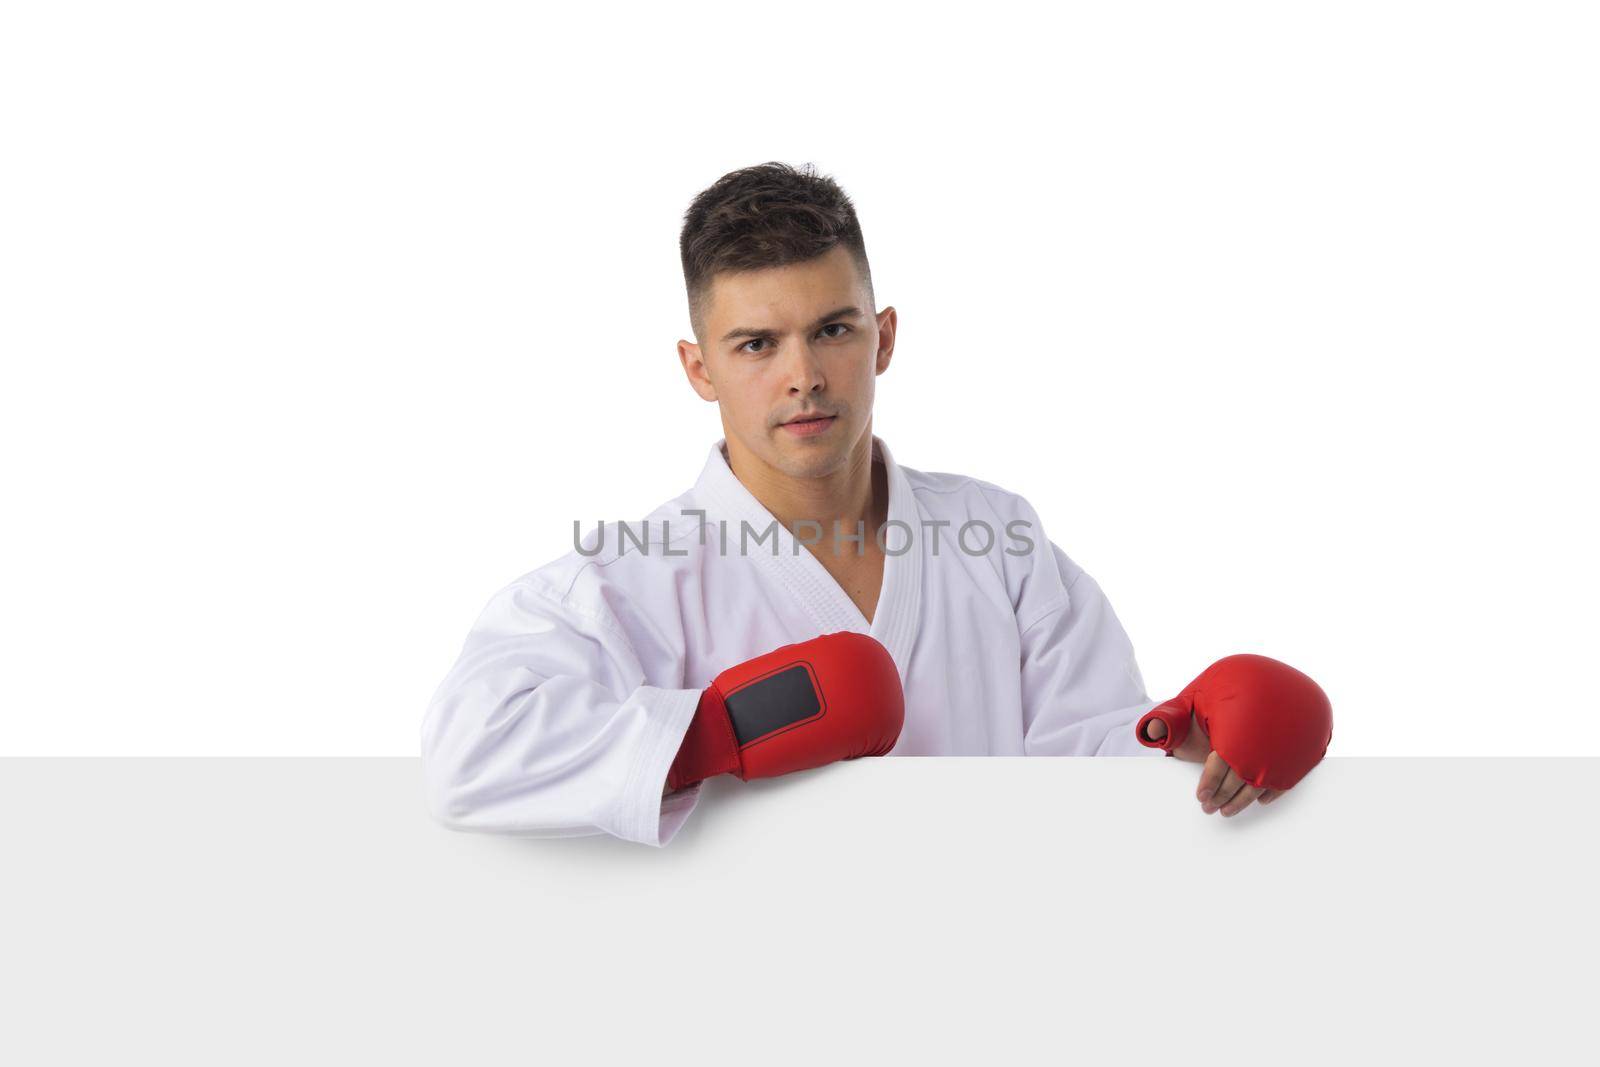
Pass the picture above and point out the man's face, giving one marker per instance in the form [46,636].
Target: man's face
[787,342]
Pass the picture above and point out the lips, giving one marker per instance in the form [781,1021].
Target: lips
[810,425]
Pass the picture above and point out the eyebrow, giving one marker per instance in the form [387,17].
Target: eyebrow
[848,312]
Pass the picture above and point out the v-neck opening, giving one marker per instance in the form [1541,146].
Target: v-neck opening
[819,569]
[895,619]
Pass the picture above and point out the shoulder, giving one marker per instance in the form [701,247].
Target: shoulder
[1036,573]
[618,570]
[941,495]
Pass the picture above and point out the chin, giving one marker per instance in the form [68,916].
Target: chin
[810,459]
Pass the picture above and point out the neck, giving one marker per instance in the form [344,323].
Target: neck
[855,492]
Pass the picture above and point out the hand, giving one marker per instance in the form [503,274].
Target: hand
[835,697]
[1220,787]
[1271,725]
[1194,748]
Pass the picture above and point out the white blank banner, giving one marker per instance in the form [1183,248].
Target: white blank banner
[304,910]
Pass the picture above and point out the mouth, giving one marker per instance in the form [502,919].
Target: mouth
[810,425]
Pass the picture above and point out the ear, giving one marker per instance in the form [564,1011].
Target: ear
[888,321]
[694,366]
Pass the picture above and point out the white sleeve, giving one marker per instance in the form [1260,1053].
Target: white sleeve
[544,727]
[1082,693]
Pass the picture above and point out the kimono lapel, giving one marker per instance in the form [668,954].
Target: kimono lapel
[896,618]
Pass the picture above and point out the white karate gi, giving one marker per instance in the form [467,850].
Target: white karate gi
[578,681]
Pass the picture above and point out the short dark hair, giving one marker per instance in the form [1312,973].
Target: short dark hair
[770,215]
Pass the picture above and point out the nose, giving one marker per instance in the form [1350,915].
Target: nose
[803,370]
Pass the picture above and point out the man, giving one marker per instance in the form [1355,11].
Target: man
[724,634]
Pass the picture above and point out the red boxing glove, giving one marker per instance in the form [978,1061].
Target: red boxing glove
[835,697]
[1268,721]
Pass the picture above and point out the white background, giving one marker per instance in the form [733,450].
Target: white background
[322,321]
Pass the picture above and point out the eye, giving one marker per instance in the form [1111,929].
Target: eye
[762,340]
